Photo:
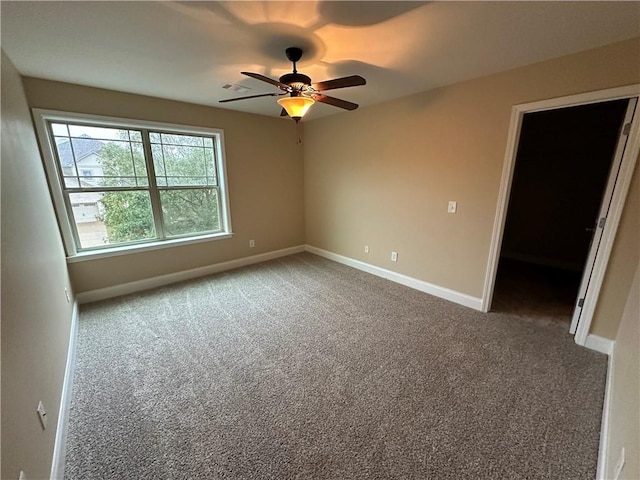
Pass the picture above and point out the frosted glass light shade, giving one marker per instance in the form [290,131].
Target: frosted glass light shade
[296,107]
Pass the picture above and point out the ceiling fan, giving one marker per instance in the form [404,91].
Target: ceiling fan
[303,93]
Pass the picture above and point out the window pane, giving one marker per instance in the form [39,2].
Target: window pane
[87,213]
[158,165]
[86,152]
[190,211]
[59,129]
[73,151]
[71,182]
[100,133]
[139,165]
[119,164]
[135,136]
[210,166]
[107,218]
[183,160]
[89,162]
[185,140]
[184,165]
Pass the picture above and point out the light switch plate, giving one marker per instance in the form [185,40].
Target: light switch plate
[453,206]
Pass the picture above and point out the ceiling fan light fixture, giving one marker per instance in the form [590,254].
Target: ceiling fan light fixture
[296,107]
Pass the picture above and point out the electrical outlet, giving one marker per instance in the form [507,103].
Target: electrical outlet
[394,256]
[252,243]
[66,294]
[42,413]
[366,249]
[619,465]
[453,206]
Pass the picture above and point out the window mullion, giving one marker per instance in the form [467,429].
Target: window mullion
[154,193]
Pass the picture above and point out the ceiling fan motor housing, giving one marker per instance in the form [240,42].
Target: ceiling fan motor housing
[295,80]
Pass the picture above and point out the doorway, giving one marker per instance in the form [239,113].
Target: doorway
[563,161]
[626,153]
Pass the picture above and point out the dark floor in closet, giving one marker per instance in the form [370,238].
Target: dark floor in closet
[535,291]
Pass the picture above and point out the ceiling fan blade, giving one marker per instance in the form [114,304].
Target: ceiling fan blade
[336,102]
[283,113]
[257,76]
[351,81]
[252,96]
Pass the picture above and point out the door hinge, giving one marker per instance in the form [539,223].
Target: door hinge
[602,221]
[626,130]
[580,303]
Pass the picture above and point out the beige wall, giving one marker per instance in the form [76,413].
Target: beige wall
[625,255]
[625,399]
[264,168]
[382,175]
[35,313]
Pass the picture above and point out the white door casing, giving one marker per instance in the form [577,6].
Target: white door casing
[618,197]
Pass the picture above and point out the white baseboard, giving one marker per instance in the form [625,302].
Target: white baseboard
[603,449]
[430,288]
[159,281]
[599,344]
[60,445]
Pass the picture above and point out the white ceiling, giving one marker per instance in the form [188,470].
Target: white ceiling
[188,50]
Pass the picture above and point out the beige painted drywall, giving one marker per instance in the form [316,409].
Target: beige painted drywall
[264,168]
[624,419]
[35,314]
[625,255]
[382,175]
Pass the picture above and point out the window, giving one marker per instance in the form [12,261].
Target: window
[122,185]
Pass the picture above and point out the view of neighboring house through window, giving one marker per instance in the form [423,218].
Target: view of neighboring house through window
[122,185]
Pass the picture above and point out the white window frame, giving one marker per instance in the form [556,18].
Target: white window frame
[43,117]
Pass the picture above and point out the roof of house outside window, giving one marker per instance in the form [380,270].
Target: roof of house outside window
[83,146]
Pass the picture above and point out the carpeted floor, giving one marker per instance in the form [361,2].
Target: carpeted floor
[302,368]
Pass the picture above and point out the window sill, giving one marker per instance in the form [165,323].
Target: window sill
[146,247]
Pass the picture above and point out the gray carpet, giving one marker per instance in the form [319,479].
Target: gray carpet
[302,368]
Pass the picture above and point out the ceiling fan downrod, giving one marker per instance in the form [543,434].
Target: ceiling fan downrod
[296,80]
